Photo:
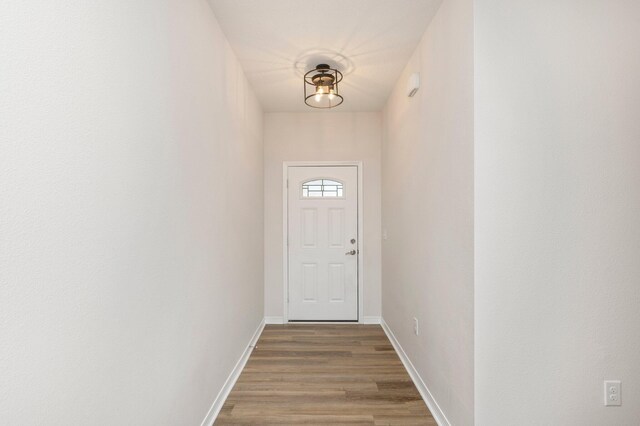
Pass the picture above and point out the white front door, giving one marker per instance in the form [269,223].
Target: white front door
[323,245]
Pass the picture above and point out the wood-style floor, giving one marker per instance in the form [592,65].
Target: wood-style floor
[324,375]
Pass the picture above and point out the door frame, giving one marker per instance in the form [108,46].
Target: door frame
[285,230]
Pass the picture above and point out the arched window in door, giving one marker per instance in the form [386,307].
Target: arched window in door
[322,188]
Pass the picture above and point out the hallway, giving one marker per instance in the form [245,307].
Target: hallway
[324,374]
[457,181]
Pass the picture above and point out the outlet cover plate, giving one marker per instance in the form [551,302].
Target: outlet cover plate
[612,395]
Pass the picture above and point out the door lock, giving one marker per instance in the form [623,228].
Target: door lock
[353,241]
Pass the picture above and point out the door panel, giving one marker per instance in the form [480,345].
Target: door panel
[310,282]
[322,205]
[309,228]
[336,228]
[336,282]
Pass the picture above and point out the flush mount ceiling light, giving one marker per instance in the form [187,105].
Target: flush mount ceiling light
[321,87]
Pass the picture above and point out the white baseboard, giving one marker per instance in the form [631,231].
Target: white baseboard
[280,320]
[433,406]
[231,380]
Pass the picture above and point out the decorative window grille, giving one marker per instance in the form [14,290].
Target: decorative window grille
[322,188]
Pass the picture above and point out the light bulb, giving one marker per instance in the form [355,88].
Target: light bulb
[318,97]
[332,93]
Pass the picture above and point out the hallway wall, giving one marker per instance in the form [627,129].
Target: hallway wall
[321,136]
[131,212]
[427,203]
[557,211]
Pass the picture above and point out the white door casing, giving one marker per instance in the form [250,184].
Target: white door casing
[322,245]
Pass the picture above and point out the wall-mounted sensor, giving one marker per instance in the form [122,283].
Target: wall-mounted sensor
[414,84]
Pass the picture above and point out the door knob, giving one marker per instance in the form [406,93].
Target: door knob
[351,253]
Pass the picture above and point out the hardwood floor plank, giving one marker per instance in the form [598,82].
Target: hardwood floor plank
[324,374]
[350,420]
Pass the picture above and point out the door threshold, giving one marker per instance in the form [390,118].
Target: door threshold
[322,321]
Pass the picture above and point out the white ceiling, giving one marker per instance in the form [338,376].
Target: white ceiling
[370,41]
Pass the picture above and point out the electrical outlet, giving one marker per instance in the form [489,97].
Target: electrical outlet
[416,330]
[612,394]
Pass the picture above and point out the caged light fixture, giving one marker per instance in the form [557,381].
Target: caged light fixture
[321,87]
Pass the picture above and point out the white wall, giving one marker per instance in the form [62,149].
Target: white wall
[321,136]
[427,187]
[131,218]
[557,211]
